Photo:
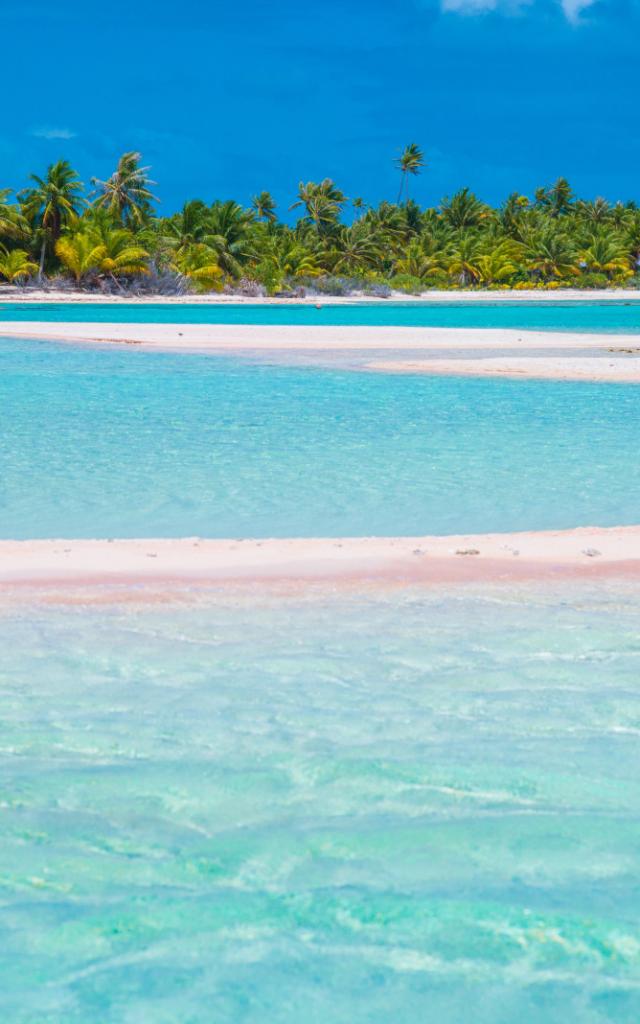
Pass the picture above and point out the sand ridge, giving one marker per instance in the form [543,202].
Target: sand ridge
[485,351]
[587,551]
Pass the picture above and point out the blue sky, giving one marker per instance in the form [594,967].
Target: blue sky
[226,99]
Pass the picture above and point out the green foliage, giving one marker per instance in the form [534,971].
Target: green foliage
[115,237]
[15,265]
[406,283]
[589,280]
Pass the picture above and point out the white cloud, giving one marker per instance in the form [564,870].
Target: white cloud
[52,133]
[469,6]
[572,9]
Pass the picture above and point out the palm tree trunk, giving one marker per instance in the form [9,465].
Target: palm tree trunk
[42,252]
[402,181]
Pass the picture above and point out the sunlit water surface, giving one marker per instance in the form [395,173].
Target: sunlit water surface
[411,807]
[108,443]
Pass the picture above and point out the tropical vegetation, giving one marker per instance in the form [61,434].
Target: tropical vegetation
[112,236]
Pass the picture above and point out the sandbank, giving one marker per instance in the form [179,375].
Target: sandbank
[600,370]
[473,558]
[496,352]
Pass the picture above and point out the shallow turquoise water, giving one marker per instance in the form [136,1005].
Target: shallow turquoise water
[569,316]
[371,809]
[112,443]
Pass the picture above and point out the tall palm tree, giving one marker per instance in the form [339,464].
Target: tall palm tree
[126,194]
[359,206]
[557,198]
[52,203]
[409,162]
[264,207]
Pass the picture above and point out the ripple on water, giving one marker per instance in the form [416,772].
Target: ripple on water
[343,808]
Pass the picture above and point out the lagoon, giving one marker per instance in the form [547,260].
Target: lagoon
[112,443]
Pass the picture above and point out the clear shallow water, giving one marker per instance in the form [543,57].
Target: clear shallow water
[333,809]
[622,317]
[109,443]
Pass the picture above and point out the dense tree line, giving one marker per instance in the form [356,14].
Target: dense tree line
[110,237]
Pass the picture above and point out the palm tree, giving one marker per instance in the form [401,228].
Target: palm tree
[227,233]
[409,162]
[632,234]
[78,253]
[359,205]
[16,265]
[557,198]
[126,194]
[283,256]
[423,258]
[551,254]
[187,227]
[53,203]
[354,248]
[499,263]
[464,257]
[606,254]
[200,264]
[264,206]
[596,212]
[513,214]
[109,253]
[464,210]
[323,202]
[390,227]
[12,223]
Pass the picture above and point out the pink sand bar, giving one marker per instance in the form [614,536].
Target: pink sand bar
[585,552]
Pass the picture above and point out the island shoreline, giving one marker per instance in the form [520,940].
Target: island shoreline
[17,295]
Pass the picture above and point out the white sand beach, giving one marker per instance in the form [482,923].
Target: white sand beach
[494,352]
[508,557]
[12,293]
